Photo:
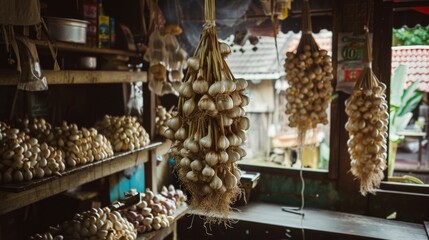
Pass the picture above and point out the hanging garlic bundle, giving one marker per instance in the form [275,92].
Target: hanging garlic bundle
[209,128]
[367,126]
[309,74]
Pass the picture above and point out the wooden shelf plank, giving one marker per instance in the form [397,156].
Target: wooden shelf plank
[78,77]
[164,232]
[76,47]
[75,177]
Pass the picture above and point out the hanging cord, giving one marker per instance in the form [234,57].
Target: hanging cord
[301,176]
[306,30]
[143,17]
[274,24]
[209,14]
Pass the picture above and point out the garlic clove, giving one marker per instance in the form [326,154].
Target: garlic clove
[225,50]
[208,171]
[241,84]
[223,157]
[216,183]
[224,102]
[223,142]
[185,162]
[192,176]
[174,123]
[212,158]
[206,142]
[189,107]
[185,90]
[200,86]
[230,180]
[193,63]
[216,88]
[206,104]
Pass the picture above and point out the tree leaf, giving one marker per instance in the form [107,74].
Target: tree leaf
[410,99]
[397,85]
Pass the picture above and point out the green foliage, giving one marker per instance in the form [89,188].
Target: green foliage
[406,36]
[402,102]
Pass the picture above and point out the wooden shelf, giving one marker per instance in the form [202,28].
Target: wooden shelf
[78,77]
[164,232]
[74,177]
[76,47]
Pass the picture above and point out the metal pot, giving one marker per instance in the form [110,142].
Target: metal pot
[67,29]
[88,62]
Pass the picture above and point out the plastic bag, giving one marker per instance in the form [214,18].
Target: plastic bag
[19,12]
[350,65]
[135,102]
[31,74]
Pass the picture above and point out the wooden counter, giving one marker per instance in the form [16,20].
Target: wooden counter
[342,224]
[268,221]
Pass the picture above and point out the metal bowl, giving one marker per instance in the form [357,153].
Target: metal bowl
[88,62]
[67,29]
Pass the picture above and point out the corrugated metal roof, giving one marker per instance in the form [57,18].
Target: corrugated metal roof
[262,64]
[417,60]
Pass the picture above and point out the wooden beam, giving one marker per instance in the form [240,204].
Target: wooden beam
[78,77]
[76,47]
[90,172]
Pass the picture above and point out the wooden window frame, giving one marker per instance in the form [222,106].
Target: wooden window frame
[339,162]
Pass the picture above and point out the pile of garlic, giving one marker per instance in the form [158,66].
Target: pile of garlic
[309,75]
[96,223]
[3,127]
[124,132]
[367,126]
[155,210]
[81,146]
[36,127]
[161,119]
[24,158]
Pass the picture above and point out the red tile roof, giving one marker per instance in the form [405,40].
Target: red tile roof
[417,60]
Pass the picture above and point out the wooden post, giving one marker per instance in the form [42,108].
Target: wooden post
[149,125]
[382,47]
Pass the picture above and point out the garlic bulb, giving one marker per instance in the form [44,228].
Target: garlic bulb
[200,86]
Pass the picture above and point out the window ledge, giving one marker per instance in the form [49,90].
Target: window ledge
[405,187]
[292,172]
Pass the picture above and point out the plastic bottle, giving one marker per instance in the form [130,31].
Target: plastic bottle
[103,27]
